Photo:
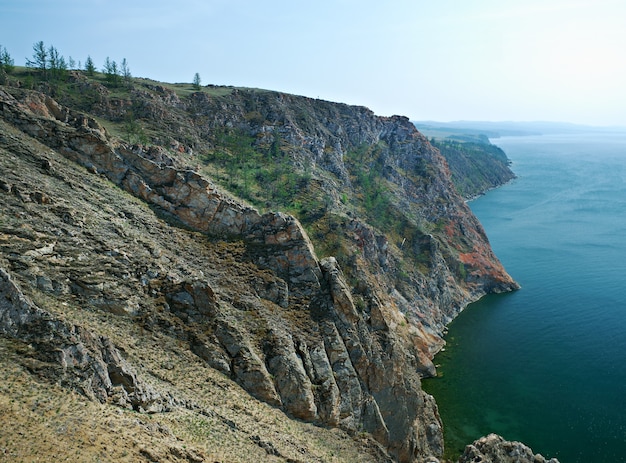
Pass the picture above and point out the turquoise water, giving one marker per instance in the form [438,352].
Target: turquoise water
[546,365]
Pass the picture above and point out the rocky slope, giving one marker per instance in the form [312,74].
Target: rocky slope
[127,269]
[475,164]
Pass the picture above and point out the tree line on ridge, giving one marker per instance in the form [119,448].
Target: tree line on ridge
[51,66]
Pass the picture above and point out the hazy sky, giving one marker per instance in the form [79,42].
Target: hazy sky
[553,60]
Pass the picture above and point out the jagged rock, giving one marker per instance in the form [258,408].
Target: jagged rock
[290,377]
[391,389]
[328,396]
[250,371]
[211,353]
[494,449]
[265,445]
[273,289]
[231,352]
[72,355]
[40,198]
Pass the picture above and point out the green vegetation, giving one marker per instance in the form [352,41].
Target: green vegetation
[263,176]
[49,63]
[40,59]
[372,194]
[90,68]
[196,81]
[6,62]
[259,167]
[133,130]
[111,72]
[374,199]
[475,166]
[266,177]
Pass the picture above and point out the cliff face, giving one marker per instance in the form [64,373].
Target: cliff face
[475,164]
[98,233]
[410,219]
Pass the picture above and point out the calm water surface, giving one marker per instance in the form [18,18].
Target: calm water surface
[546,365]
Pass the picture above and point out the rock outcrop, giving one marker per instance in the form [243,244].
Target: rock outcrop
[494,449]
[251,297]
[71,354]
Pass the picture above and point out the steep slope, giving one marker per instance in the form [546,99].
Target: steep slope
[370,191]
[105,278]
[87,270]
[476,165]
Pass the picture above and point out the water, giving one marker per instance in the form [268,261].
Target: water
[546,365]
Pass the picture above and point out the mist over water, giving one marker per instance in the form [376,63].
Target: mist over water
[546,365]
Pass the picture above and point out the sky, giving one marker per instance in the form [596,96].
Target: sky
[441,60]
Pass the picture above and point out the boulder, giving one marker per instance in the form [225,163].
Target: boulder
[494,449]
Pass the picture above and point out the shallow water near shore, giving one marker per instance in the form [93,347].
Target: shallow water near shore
[546,365]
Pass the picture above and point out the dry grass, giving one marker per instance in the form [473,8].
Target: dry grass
[221,423]
[44,422]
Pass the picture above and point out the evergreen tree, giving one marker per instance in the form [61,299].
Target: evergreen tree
[56,64]
[196,81]
[6,62]
[133,129]
[111,72]
[53,58]
[90,68]
[114,74]
[126,72]
[40,59]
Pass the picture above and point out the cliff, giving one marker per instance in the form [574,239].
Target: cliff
[476,165]
[158,278]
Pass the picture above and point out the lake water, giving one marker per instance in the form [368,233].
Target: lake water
[546,365]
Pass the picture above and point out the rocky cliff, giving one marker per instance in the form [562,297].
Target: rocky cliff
[475,164]
[120,261]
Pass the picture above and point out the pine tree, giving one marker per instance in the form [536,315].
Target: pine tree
[111,72]
[56,64]
[6,62]
[40,59]
[196,81]
[90,68]
[126,72]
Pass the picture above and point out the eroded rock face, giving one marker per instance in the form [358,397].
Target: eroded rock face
[72,355]
[381,375]
[494,449]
